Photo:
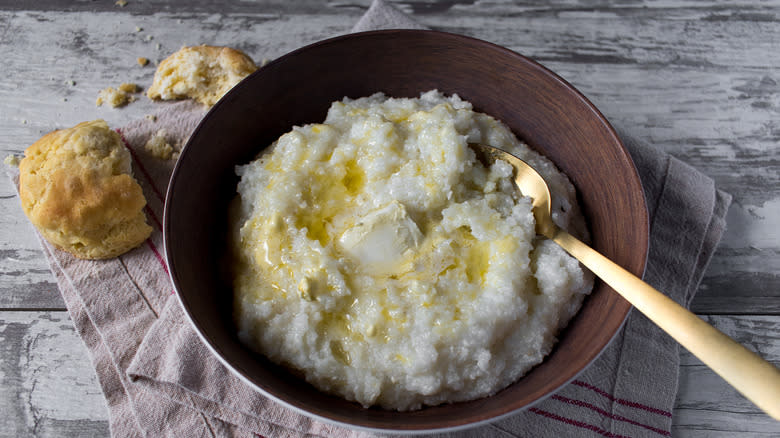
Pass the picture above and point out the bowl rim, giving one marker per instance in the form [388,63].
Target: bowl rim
[173,271]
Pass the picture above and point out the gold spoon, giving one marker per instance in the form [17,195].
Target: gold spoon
[755,378]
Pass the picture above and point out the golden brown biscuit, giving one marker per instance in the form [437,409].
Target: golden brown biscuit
[204,73]
[77,188]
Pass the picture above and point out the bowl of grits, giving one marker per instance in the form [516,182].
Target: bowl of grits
[337,245]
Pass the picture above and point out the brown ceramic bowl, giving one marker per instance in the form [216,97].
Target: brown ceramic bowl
[540,107]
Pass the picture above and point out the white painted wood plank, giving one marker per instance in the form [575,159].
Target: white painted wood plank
[714,8]
[47,385]
[25,278]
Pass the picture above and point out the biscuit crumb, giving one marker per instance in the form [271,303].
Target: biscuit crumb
[151,117]
[203,73]
[158,146]
[12,160]
[129,87]
[117,97]
[121,3]
[143,62]
[138,28]
[113,97]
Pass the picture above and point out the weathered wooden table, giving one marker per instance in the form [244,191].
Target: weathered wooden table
[699,80]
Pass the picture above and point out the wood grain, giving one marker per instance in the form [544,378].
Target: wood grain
[47,384]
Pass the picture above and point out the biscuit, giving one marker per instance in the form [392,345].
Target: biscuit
[204,73]
[76,187]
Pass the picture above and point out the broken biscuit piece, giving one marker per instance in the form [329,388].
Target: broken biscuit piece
[158,145]
[76,187]
[203,73]
[119,96]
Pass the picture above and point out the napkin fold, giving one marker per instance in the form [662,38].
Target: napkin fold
[160,380]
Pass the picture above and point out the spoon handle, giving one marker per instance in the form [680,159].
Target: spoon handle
[757,379]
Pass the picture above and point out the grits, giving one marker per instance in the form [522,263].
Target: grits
[377,257]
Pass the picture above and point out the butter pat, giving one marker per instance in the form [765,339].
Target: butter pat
[379,241]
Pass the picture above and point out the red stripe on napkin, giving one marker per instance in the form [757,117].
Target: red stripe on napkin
[604,413]
[157,254]
[154,217]
[576,423]
[621,401]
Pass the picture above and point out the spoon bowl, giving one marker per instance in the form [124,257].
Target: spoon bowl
[530,182]
[757,379]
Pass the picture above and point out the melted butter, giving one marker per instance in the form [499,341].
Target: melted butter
[334,325]
[505,246]
[267,260]
[401,358]
[328,194]
[277,163]
[471,259]
[354,179]
[308,288]
[315,223]
[338,351]
[340,328]
[394,317]
[477,260]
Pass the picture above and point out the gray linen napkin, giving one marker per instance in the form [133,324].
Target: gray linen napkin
[160,380]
